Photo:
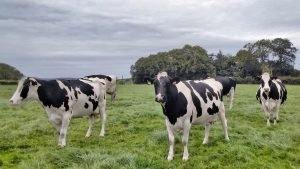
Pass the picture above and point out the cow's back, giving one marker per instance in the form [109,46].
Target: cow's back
[227,84]
[204,99]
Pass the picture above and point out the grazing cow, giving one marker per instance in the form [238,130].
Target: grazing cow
[111,84]
[64,99]
[188,102]
[229,85]
[271,94]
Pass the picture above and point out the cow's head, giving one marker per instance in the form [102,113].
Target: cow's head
[26,90]
[266,81]
[162,83]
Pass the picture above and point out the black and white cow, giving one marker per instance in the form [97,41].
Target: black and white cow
[64,99]
[229,85]
[271,94]
[188,102]
[111,84]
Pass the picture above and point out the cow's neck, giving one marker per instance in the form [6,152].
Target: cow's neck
[170,105]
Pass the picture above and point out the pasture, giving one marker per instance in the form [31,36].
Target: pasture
[136,135]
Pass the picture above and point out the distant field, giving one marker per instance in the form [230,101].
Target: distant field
[136,136]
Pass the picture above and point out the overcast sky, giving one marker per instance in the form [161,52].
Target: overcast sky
[74,38]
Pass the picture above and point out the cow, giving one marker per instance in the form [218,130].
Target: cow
[271,94]
[229,85]
[188,102]
[111,84]
[64,99]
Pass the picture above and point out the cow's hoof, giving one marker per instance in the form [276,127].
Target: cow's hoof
[101,134]
[88,135]
[61,145]
[204,142]
[170,158]
[227,139]
[185,158]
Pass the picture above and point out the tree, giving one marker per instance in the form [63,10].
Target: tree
[284,51]
[8,72]
[248,64]
[190,62]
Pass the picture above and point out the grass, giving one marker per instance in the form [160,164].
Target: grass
[136,136]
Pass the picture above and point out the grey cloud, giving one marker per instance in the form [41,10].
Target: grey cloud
[47,37]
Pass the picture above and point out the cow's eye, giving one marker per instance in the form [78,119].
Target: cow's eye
[168,84]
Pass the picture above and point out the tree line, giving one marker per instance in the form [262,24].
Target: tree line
[8,72]
[276,56]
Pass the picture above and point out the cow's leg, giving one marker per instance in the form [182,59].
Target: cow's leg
[112,97]
[223,120]
[64,127]
[91,122]
[102,105]
[231,96]
[276,114]
[56,120]
[267,114]
[207,129]
[171,134]
[185,139]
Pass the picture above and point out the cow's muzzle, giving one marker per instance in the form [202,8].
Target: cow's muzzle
[160,98]
[266,90]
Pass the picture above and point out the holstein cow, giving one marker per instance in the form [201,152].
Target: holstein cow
[188,102]
[65,99]
[271,94]
[111,84]
[229,85]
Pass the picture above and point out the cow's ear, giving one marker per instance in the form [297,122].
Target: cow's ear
[257,78]
[108,78]
[32,82]
[149,80]
[274,77]
[175,80]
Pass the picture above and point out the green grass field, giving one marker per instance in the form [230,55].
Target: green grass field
[136,136]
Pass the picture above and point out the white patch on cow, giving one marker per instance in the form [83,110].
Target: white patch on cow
[266,77]
[161,74]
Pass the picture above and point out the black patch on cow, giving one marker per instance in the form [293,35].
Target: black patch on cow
[258,95]
[34,83]
[25,89]
[227,84]
[79,92]
[76,94]
[201,88]
[50,94]
[86,105]
[94,102]
[283,92]
[85,88]
[209,96]
[265,95]
[213,110]
[196,100]
[66,101]
[100,77]
[274,94]
[176,105]
[220,96]
[191,118]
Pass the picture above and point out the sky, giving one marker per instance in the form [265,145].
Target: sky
[75,38]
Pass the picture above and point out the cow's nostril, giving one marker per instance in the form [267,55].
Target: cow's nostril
[11,101]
